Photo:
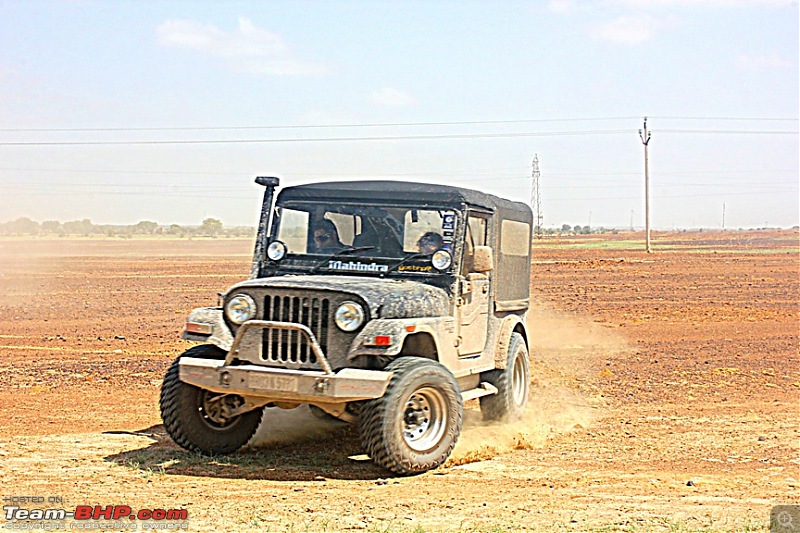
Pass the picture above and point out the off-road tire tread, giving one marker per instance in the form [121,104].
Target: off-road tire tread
[383,450]
[171,410]
[499,407]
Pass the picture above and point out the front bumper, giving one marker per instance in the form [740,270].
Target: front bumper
[281,385]
[284,385]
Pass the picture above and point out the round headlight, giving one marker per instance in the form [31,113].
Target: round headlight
[276,250]
[349,316]
[441,260]
[240,309]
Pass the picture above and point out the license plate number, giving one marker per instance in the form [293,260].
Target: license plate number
[270,382]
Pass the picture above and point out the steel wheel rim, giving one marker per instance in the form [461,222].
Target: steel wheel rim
[519,385]
[210,407]
[424,419]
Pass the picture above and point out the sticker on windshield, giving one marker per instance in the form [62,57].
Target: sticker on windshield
[448,227]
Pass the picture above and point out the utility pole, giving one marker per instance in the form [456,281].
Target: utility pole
[723,216]
[645,136]
[536,199]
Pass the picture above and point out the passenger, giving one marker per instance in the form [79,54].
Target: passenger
[326,237]
[430,242]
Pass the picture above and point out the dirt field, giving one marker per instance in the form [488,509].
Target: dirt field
[665,396]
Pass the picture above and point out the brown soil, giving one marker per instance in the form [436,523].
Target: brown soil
[665,395]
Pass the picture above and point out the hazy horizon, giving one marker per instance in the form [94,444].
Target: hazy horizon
[634,229]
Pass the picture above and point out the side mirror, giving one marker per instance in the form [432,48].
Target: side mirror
[483,259]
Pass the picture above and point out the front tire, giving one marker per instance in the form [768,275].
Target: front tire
[513,384]
[193,418]
[414,426]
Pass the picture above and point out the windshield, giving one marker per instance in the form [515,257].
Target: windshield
[346,234]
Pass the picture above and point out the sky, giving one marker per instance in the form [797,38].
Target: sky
[122,111]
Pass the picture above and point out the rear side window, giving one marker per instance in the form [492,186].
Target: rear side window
[515,238]
[513,266]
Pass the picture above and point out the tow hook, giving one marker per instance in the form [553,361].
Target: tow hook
[321,385]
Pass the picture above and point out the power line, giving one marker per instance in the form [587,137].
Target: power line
[743,119]
[605,178]
[321,126]
[323,139]
[390,124]
[384,138]
[505,173]
[734,132]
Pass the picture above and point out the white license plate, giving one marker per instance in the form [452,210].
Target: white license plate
[272,382]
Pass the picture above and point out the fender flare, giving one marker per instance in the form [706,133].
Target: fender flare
[397,329]
[221,336]
[510,324]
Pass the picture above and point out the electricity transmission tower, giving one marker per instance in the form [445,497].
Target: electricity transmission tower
[536,199]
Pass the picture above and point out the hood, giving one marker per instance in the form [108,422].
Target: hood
[386,298]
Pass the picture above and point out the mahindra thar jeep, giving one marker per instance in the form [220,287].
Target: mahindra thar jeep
[383,303]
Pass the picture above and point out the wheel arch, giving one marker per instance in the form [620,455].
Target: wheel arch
[422,344]
[510,325]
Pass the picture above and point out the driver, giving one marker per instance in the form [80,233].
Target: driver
[326,237]
[430,242]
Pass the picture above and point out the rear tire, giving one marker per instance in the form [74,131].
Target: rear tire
[192,415]
[513,384]
[414,426]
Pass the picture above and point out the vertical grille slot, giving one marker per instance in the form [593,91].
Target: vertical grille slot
[292,347]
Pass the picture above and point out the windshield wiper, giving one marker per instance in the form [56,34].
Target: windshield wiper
[404,261]
[344,251]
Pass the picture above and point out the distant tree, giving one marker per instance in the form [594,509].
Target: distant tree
[576,228]
[79,227]
[566,228]
[52,227]
[586,230]
[175,229]
[211,226]
[145,227]
[21,226]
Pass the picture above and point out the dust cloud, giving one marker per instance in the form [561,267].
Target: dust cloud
[25,271]
[290,426]
[566,353]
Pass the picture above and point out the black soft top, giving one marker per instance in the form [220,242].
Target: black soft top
[402,191]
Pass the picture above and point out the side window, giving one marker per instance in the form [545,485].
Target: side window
[476,236]
[477,227]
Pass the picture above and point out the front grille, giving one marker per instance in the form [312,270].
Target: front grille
[292,347]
